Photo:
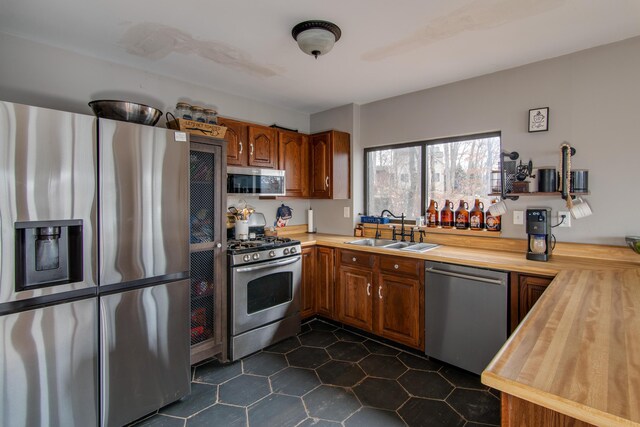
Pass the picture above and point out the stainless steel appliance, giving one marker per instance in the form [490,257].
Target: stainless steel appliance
[261,182]
[48,268]
[144,269]
[264,293]
[465,314]
[539,234]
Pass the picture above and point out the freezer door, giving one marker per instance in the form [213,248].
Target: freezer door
[47,173]
[49,366]
[144,202]
[144,365]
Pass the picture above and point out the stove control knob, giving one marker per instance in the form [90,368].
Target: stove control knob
[256,256]
[293,250]
[272,253]
[246,258]
[286,251]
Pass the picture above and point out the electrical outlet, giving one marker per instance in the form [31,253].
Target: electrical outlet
[518,217]
[567,219]
[346,212]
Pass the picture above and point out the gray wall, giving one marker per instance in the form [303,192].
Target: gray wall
[594,101]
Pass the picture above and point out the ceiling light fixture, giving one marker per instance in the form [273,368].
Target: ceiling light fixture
[316,37]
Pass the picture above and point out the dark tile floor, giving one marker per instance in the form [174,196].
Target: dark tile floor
[328,376]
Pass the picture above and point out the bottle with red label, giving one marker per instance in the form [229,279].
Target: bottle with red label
[493,223]
[462,216]
[446,215]
[432,214]
[476,216]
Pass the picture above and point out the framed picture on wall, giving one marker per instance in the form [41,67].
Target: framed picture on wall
[539,119]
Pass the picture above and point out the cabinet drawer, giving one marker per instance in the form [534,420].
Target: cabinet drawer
[399,265]
[361,259]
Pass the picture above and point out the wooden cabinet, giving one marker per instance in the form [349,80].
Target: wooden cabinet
[381,294]
[307,288]
[293,158]
[525,291]
[330,165]
[324,282]
[208,248]
[263,147]
[237,145]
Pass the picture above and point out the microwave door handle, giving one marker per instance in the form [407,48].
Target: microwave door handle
[269,265]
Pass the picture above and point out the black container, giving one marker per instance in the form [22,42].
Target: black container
[547,180]
[579,181]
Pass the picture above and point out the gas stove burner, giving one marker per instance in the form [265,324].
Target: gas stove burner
[247,244]
[276,239]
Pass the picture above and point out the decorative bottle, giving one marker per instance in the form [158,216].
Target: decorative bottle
[462,216]
[432,214]
[476,216]
[446,215]
[493,223]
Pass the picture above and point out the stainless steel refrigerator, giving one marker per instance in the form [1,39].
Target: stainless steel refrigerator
[94,309]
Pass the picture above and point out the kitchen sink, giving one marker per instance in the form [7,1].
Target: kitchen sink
[394,244]
[371,242]
[419,247]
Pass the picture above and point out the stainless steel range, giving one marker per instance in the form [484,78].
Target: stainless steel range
[264,291]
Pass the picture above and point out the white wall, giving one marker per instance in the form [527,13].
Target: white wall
[594,101]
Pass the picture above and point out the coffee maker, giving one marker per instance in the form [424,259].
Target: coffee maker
[539,234]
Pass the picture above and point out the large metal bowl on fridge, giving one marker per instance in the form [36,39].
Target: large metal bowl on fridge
[126,111]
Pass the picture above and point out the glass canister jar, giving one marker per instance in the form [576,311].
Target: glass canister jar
[198,113]
[210,116]
[183,111]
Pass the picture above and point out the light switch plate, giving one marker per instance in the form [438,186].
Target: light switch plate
[347,212]
[567,219]
[518,217]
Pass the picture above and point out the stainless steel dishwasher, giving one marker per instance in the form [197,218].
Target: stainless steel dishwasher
[465,314]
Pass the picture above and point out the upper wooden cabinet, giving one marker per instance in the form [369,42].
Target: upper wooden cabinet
[263,147]
[237,145]
[330,165]
[293,158]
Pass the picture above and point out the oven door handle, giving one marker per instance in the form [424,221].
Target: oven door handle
[269,265]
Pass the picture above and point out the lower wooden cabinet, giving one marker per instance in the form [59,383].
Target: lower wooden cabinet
[324,282]
[354,305]
[525,291]
[399,310]
[307,288]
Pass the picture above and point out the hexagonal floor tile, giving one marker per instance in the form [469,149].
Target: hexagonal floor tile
[317,338]
[475,405]
[314,422]
[307,357]
[201,396]
[160,420]
[348,336]
[277,410]
[294,381]
[380,366]
[461,378]
[224,415]
[347,351]
[377,348]
[264,364]
[425,384]
[381,393]
[427,412]
[331,403]
[284,346]
[216,373]
[244,390]
[421,363]
[372,417]
[345,374]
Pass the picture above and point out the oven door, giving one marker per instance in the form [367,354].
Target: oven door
[265,292]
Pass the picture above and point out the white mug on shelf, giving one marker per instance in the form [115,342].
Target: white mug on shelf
[580,209]
[498,209]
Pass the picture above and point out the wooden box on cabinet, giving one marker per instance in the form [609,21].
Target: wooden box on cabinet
[307,288]
[525,291]
[324,282]
[330,165]
[293,158]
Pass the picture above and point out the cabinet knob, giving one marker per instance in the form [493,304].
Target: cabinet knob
[354,259]
[219,245]
[396,266]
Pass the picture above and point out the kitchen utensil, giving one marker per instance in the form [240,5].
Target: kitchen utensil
[242,229]
[126,111]
[580,209]
[634,243]
[233,210]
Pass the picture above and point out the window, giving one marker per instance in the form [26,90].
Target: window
[403,178]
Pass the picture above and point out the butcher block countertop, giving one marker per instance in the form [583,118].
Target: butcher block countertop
[577,352]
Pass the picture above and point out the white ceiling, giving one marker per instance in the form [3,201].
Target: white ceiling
[387,48]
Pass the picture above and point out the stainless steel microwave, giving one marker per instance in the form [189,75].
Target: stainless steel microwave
[260,182]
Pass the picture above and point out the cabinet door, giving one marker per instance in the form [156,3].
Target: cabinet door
[354,289]
[398,309]
[263,147]
[340,181]
[320,173]
[293,158]
[236,137]
[531,289]
[307,289]
[324,282]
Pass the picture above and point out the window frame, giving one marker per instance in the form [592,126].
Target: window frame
[423,162]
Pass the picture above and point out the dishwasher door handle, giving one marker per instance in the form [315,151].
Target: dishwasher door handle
[464,276]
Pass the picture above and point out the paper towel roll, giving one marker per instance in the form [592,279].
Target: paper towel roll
[310,221]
